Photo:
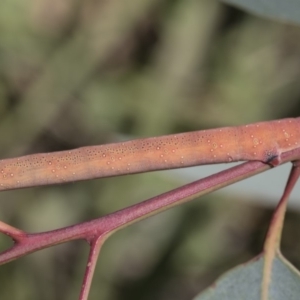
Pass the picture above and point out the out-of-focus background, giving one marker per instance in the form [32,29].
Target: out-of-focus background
[85,72]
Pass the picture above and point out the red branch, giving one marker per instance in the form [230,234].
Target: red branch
[96,231]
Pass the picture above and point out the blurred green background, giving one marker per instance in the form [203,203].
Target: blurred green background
[85,72]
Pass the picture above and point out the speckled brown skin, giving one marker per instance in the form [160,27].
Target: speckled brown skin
[259,141]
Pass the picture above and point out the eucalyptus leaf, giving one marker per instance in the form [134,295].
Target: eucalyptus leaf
[246,282]
[283,10]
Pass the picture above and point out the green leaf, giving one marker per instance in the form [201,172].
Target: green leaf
[284,10]
[246,282]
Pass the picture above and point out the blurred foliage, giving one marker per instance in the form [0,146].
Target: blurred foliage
[76,73]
